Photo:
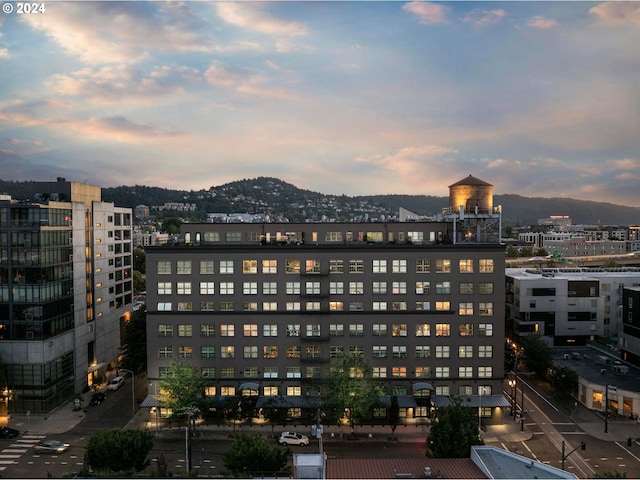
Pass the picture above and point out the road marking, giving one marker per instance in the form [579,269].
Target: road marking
[629,452]
[527,447]
[502,443]
[15,450]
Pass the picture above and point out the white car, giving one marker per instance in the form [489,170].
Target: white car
[116,383]
[292,438]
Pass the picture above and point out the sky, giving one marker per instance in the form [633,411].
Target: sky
[540,99]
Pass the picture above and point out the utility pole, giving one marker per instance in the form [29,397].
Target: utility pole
[582,446]
[522,407]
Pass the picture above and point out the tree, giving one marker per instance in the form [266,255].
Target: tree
[394,414]
[453,432]
[119,450]
[538,357]
[182,390]
[134,342]
[512,252]
[251,454]
[351,390]
[139,283]
[139,260]
[171,225]
[564,380]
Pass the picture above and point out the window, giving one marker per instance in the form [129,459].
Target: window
[207,288]
[165,330]
[185,351]
[269,306]
[399,372]
[184,306]
[293,372]
[233,236]
[207,306]
[465,329]
[270,330]
[443,287]
[399,266]
[226,267]
[293,288]
[379,372]
[485,329]
[250,288]
[227,330]
[485,372]
[423,288]
[207,351]
[399,351]
[465,265]
[249,306]
[250,330]
[465,308]
[465,372]
[293,351]
[399,330]
[227,351]
[183,267]
[207,330]
[466,288]
[333,237]
[293,330]
[465,351]
[269,288]
[336,266]
[423,330]
[374,237]
[442,351]
[423,306]
[313,330]
[379,351]
[356,351]
[443,266]
[442,372]
[379,306]
[163,267]
[379,266]
[443,329]
[398,305]
[312,288]
[250,351]
[206,267]
[164,288]
[336,288]
[270,372]
[312,351]
[249,266]
[293,306]
[226,288]
[356,306]
[485,309]
[292,266]
[336,330]
[485,288]
[226,306]
[356,288]
[485,265]
[423,265]
[379,329]
[356,329]
[312,306]
[185,330]
[443,306]
[269,266]
[336,306]
[423,372]
[210,237]
[183,288]
[423,351]
[399,288]
[312,266]
[485,351]
[209,372]
[379,287]
[415,237]
[336,351]
[227,372]
[165,351]
[356,266]
[250,372]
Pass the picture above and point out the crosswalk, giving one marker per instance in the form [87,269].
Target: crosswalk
[18,447]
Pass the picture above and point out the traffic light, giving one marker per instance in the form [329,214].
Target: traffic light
[583,446]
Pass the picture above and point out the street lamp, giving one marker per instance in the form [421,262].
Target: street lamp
[512,384]
[133,390]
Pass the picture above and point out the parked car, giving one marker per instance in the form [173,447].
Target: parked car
[6,432]
[50,446]
[116,383]
[97,398]
[292,438]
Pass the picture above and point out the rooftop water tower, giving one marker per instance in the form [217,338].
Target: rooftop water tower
[475,219]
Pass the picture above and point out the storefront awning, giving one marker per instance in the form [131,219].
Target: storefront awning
[151,401]
[473,401]
[97,366]
[422,386]
[404,401]
[249,386]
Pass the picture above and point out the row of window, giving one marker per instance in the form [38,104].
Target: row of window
[296,266]
[334,330]
[315,288]
[335,351]
[316,372]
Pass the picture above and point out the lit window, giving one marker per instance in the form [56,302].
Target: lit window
[465,265]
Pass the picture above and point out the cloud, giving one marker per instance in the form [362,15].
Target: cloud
[626,164]
[614,13]
[484,18]
[121,32]
[542,23]
[218,75]
[428,13]
[252,17]
[120,128]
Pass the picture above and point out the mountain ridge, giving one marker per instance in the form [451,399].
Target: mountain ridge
[280,199]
